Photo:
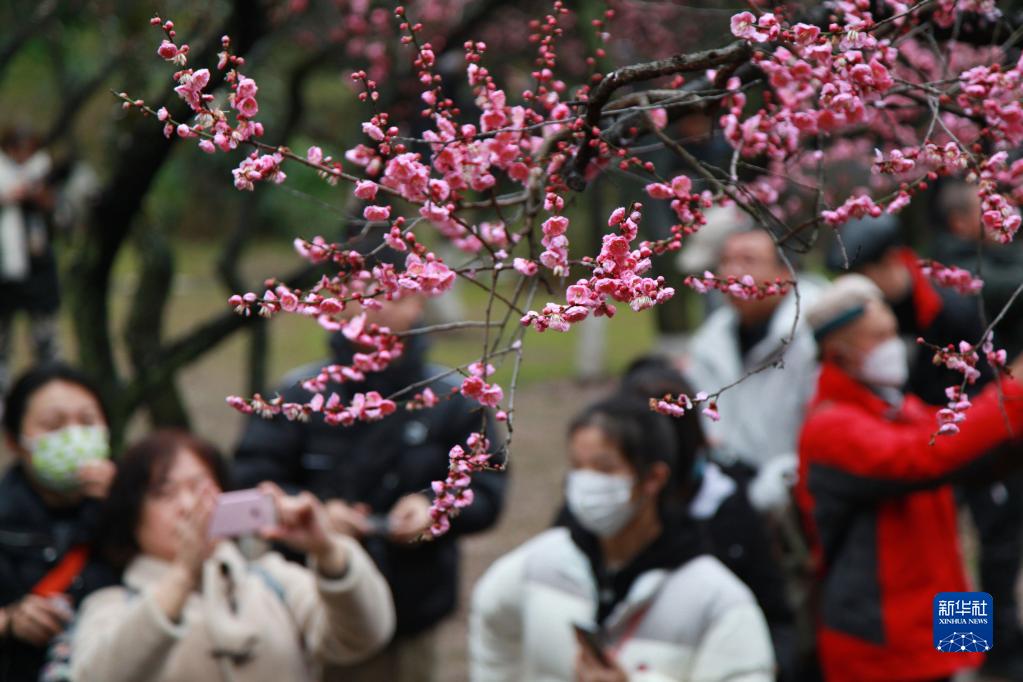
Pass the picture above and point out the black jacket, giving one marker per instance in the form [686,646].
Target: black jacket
[679,542]
[1001,268]
[941,316]
[377,464]
[741,541]
[33,539]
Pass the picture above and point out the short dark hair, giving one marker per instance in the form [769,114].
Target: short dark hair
[15,135]
[863,241]
[141,469]
[643,436]
[16,402]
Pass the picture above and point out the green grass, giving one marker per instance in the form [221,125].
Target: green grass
[197,295]
[294,340]
[548,355]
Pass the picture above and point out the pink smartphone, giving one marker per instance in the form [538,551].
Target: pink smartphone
[242,512]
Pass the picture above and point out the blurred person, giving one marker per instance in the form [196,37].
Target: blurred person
[996,510]
[28,266]
[761,415]
[703,247]
[375,480]
[941,315]
[629,565]
[56,427]
[873,247]
[192,607]
[717,497]
[875,492]
[965,244]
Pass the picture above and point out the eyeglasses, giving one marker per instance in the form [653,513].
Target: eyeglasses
[168,490]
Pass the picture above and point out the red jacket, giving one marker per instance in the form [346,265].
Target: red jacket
[883,522]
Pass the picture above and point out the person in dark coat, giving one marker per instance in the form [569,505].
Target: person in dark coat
[997,510]
[875,492]
[964,244]
[56,425]
[375,479]
[28,264]
[942,316]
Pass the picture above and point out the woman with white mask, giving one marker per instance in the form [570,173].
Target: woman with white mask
[626,590]
[56,427]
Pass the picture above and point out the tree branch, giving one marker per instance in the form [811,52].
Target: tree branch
[45,12]
[734,53]
[185,350]
[112,216]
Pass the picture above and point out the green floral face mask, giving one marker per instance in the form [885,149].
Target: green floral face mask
[57,455]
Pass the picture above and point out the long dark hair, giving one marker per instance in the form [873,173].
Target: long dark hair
[16,402]
[141,469]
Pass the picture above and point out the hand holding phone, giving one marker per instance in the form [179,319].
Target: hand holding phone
[242,512]
[594,639]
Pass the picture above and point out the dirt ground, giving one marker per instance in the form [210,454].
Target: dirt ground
[538,466]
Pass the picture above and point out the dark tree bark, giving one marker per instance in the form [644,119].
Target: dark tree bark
[144,328]
[112,217]
[45,12]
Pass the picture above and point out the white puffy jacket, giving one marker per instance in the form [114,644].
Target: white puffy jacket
[697,623]
[761,416]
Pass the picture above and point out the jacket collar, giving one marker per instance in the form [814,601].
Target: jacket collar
[680,541]
[836,386]
[228,607]
[723,351]
[927,303]
[145,570]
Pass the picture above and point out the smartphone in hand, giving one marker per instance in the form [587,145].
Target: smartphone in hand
[242,512]
[594,639]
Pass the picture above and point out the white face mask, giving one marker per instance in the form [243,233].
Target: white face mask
[886,365]
[602,503]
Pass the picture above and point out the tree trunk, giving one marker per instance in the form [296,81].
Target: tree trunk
[144,328]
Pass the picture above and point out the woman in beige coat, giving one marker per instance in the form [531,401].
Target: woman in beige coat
[195,609]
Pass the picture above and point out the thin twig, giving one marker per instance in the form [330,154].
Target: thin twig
[446,327]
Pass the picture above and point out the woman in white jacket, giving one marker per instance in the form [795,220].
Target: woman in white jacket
[628,565]
[192,608]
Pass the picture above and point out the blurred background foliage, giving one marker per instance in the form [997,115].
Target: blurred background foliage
[166,238]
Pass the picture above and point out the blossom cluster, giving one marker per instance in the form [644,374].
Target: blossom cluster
[618,274]
[962,359]
[860,206]
[493,181]
[951,276]
[212,124]
[954,413]
[475,385]
[453,493]
[744,287]
[365,407]
[818,89]
[678,406]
